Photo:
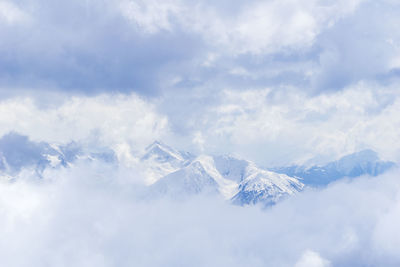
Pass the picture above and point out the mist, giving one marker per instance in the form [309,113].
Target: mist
[95,215]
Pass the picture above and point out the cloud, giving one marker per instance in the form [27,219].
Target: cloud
[311,259]
[86,47]
[151,16]
[154,47]
[279,127]
[268,126]
[273,81]
[355,49]
[11,13]
[301,80]
[94,214]
[112,121]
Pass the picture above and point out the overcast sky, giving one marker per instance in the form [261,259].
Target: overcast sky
[273,81]
[276,81]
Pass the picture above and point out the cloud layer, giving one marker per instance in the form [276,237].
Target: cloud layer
[267,126]
[107,120]
[94,215]
[291,126]
[151,47]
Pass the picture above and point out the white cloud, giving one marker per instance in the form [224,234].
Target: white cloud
[152,46]
[151,16]
[311,259]
[258,27]
[269,126]
[11,13]
[94,214]
[108,120]
[272,26]
[276,127]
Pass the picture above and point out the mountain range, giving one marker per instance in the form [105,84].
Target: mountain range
[177,174]
[239,181]
[365,162]
[17,153]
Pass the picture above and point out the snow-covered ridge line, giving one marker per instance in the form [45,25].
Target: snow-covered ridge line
[168,171]
[365,162]
[238,180]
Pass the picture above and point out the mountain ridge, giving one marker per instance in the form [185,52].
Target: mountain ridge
[364,162]
[167,171]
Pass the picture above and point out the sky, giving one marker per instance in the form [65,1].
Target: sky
[277,82]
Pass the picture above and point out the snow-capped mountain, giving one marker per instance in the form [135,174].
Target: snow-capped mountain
[17,152]
[265,186]
[199,176]
[365,162]
[230,167]
[168,171]
[239,181]
[189,180]
[159,159]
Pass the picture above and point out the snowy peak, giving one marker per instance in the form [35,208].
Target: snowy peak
[265,186]
[159,160]
[239,181]
[189,180]
[226,187]
[17,152]
[365,162]
[166,170]
[366,155]
[199,176]
[357,163]
[162,153]
[231,168]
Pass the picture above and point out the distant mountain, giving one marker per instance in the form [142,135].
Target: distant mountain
[178,174]
[199,176]
[18,152]
[365,162]
[239,181]
[265,186]
[189,180]
[160,159]
[167,171]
